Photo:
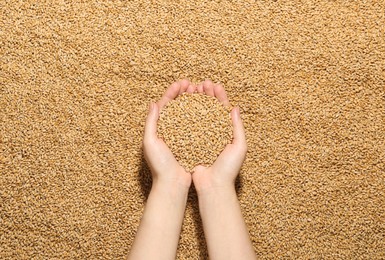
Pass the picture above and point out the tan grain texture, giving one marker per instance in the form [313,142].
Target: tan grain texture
[76,78]
[196,128]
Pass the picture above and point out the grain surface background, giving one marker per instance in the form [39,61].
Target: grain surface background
[75,81]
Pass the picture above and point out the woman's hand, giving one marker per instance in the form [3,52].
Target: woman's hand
[164,167]
[223,172]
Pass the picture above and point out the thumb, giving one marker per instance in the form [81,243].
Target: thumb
[238,128]
[150,128]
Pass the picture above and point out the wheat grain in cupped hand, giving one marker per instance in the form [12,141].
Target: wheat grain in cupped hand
[196,127]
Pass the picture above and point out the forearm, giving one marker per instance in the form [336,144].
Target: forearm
[159,229]
[225,230]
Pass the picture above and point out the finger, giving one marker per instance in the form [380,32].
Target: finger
[191,89]
[171,93]
[184,84]
[200,88]
[238,128]
[220,94]
[208,87]
[150,128]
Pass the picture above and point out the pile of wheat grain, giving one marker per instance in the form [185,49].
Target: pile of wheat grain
[196,127]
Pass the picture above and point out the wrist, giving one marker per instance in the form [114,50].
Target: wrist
[172,177]
[174,188]
[219,190]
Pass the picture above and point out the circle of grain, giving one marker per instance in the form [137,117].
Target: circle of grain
[196,127]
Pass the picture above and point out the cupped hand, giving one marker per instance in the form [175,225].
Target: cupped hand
[223,172]
[165,169]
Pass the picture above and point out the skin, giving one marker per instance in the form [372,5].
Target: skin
[225,230]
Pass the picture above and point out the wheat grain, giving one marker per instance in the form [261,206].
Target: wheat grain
[196,127]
